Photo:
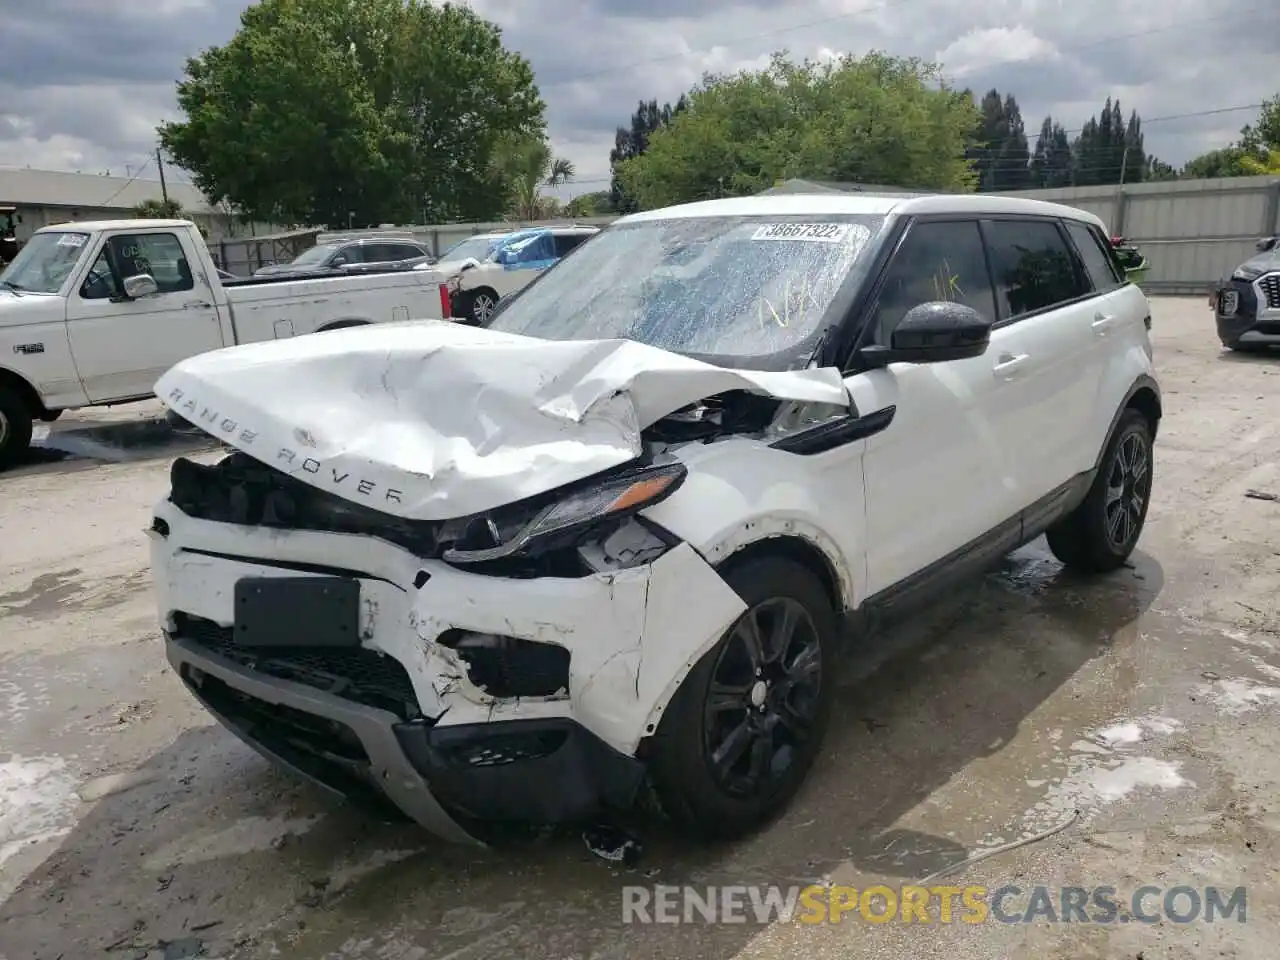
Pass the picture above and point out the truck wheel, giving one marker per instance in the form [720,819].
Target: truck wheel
[744,728]
[15,426]
[1099,535]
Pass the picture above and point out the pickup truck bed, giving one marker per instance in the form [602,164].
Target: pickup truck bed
[95,313]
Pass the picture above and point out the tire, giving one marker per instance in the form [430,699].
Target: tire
[480,305]
[49,416]
[691,793]
[1085,540]
[15,426]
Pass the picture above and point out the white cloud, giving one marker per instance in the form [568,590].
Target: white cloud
[982,49]
[84,84]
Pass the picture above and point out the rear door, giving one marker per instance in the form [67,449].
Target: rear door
[122,347]
[1111,319]
[1042,343]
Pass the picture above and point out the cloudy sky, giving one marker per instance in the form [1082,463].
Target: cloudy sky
[84,83]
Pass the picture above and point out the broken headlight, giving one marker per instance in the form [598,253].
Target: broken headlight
[559,523]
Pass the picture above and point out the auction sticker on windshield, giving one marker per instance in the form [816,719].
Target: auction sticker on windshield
[72,239]
[821,232]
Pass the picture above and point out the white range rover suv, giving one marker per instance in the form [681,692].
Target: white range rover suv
[616,544]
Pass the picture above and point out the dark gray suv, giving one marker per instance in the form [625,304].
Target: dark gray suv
[367,254]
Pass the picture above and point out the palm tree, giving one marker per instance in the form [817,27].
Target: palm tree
[526,165]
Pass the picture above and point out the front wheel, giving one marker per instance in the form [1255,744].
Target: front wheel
[15,426]
[1099,535]
[746,725]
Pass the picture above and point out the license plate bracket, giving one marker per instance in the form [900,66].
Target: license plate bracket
[297,612]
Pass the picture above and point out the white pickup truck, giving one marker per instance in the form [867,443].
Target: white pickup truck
[94,313]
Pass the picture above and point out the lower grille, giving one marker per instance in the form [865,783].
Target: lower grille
[357,674]
[1270,286]
[323,749]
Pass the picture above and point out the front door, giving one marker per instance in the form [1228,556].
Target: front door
[122,347]
[939,477]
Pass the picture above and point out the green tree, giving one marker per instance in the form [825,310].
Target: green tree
[159,210]
[524,165]
[632,141]
[1001,157]
[875,119]
[1265,134]
[325,111]
[597,204]
[1051,160]
[1223,162]
[1267,164]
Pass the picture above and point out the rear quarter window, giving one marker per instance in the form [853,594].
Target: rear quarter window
[1096,255]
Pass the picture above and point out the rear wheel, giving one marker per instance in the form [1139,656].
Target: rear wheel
[745,726]
[15,426]
[1099,535]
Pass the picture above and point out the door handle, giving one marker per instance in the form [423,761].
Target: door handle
[1007,364]
[1102,322]
[197,305]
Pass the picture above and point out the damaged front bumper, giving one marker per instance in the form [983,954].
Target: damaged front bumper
[449,734]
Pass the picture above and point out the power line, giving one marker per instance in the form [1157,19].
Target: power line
[1137,34]
[137,173]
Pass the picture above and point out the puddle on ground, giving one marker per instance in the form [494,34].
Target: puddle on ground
[51,595]
[37,802]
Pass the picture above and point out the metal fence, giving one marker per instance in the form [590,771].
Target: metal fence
[1192,232]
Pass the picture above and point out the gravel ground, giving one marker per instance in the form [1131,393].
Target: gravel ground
[132,827]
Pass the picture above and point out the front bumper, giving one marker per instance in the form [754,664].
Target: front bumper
[1256,317]
[413,727]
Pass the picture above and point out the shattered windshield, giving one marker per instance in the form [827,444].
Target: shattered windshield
[710,286]
[44,263]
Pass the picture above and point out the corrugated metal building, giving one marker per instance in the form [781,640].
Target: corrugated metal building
[43,197]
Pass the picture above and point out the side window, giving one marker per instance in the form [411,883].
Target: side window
[158,254]
[937,261]
[382,252]
[407,251]
[1032,265]
[100,282]
[568,242]
[1097,262]
[351,253]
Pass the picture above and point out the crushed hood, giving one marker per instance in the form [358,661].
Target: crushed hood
[432,420]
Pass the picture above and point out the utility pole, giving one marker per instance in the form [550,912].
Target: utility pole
[164,190]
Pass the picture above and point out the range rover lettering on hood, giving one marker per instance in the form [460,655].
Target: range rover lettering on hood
[430,420]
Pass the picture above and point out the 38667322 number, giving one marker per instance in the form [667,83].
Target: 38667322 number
[821,232]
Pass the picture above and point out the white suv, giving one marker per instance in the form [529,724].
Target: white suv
[483,270]
[624,536]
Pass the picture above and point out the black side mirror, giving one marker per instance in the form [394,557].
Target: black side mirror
[932,333]
[1266,244]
